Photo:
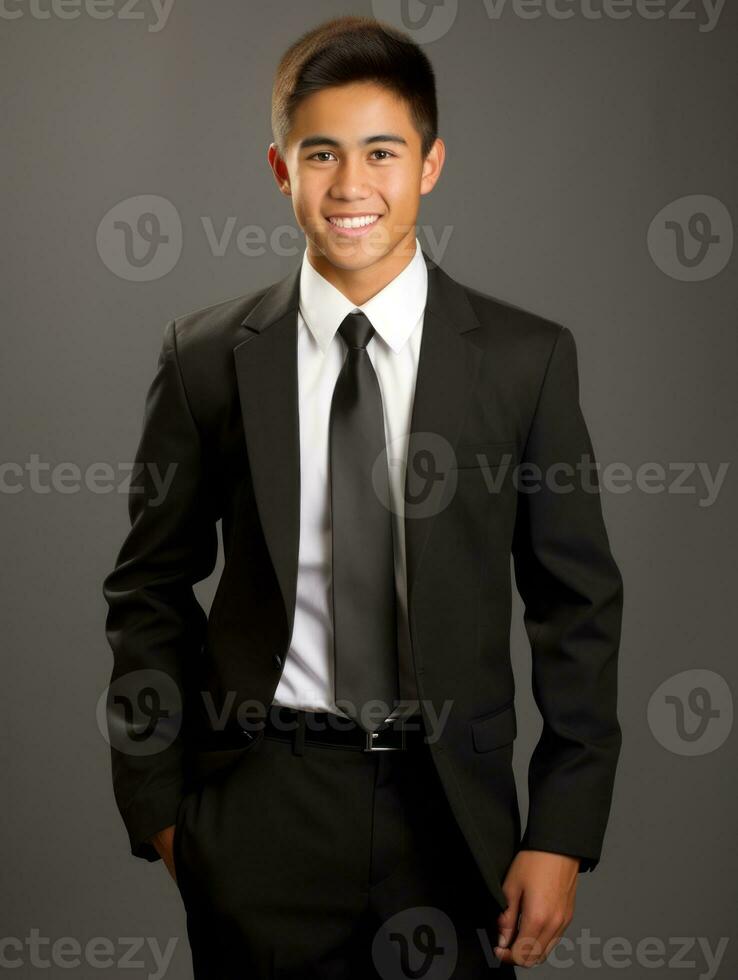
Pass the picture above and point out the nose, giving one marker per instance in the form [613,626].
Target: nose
[351,182]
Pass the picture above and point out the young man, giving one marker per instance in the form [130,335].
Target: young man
[324,763]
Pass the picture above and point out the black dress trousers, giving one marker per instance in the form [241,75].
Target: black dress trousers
[331,864]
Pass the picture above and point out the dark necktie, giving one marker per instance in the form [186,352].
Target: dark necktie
[364,598]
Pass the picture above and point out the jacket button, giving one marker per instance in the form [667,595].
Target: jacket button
[277,660]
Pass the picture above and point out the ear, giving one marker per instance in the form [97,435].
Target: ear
[432,166]
[279,169]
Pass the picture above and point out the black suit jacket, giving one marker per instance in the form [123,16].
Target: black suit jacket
[495,385]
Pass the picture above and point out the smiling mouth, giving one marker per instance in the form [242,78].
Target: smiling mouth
[353,225]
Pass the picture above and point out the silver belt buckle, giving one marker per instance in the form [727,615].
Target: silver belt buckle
[370,739]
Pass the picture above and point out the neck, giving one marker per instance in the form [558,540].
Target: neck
[359,285]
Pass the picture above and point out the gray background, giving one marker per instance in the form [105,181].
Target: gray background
[564,138]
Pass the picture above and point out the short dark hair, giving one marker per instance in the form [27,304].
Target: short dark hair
[354,49]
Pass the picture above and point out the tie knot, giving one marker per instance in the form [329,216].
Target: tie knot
[356,330]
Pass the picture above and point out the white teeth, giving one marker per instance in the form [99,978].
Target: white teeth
[367,219]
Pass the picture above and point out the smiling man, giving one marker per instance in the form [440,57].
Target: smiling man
[355,165]
[328,771]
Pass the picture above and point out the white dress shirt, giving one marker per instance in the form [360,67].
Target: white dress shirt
[396,313]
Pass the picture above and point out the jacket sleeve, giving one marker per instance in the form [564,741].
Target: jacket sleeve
[573,595]
[154,625]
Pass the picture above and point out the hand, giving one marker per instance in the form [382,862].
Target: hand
[540,886]
[163,841]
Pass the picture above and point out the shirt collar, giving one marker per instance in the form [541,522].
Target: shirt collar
[394,311]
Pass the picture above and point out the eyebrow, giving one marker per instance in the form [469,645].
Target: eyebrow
[329,141]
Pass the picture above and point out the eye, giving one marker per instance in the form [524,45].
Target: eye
[327,153]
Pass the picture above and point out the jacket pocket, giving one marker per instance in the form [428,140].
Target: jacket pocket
[482,454]
[495,729]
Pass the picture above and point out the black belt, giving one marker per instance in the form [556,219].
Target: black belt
[327,729]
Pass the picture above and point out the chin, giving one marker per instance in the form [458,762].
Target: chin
[352,257]
[356,263]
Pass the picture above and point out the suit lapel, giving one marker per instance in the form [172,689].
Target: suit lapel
[266,374]
[447,372]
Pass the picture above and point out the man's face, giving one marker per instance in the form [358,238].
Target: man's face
[353,152]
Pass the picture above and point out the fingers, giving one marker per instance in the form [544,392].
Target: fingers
[507,921]
[539,931]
